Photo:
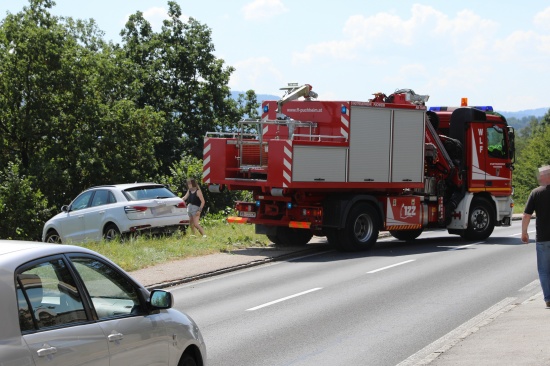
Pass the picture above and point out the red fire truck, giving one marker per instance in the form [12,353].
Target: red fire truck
[348,169]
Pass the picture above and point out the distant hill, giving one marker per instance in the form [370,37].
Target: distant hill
[259,97]
[539,112]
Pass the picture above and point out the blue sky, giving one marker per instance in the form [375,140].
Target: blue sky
[492,52]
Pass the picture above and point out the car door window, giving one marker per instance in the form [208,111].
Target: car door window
[81,201]
[103,197]
[112,294]
[47,296]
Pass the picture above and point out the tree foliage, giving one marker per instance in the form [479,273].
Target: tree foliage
[77,111]
[23,209]
[532,153]
[181,77]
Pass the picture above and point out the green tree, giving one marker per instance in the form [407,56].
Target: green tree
[76,111]
[181,77]
[23,209]
[65,114]
[533,154]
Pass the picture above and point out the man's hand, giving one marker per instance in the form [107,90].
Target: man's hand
[524,226]
[525,238]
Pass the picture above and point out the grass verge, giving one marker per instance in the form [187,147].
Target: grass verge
[145,251]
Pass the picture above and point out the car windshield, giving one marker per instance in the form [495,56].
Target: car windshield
[148,192]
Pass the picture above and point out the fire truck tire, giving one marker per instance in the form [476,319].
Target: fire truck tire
[274,239]
[332,236]
[290,236]
[406,235]
[361,228]
[481,221]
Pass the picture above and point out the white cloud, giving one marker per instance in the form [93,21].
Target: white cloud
[336,49]
[259,10]
[542,19]
[257,73]
[518,49]
[385,32]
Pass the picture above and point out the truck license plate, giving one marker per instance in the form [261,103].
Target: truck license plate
[247,214]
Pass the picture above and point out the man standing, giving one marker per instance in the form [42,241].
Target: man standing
[539,202]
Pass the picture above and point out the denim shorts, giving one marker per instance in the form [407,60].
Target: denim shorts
[192,209]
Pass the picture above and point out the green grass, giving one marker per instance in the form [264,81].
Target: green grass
[145,251]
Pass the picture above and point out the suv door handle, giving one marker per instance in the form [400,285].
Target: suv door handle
[46,351]
[115,337]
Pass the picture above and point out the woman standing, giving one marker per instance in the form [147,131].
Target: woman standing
[195,204]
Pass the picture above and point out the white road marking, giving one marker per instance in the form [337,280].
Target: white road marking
[518,234]
[284,299]
[530,286]
[393,265]
[463,246]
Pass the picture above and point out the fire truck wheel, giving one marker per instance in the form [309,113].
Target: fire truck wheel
[291,237]
[332,236]
[407,235]
[361,229]
[273,238]
[481,221]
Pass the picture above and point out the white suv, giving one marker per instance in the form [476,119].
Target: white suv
[105,212]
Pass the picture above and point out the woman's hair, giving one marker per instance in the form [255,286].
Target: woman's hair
[193,183]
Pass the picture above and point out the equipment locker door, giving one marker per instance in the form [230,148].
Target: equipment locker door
[408,146]
[370,145]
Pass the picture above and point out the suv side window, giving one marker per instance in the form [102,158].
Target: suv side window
[112,294]
[102,197]
[81,201]
[47,296]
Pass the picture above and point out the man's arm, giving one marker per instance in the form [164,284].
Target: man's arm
[524,224]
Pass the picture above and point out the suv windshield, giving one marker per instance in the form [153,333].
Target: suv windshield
[148,192]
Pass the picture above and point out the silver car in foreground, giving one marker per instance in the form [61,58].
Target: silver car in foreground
[105,212]
[67,305]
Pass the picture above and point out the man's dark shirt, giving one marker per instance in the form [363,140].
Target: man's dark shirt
[539,202]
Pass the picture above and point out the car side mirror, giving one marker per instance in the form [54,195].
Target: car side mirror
[64,208]
[160,299]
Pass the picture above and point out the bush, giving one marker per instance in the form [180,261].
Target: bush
[23,210]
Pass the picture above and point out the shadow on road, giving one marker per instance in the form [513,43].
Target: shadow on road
[391,247]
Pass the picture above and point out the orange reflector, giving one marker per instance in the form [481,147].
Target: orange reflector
[403,227]
[237,220]
[299,225]
[464,102]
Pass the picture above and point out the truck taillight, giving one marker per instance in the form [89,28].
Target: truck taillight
[245,206]
[311,212]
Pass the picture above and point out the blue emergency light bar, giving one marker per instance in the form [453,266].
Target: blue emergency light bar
[485,108]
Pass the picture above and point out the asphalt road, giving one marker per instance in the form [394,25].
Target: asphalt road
[373,308]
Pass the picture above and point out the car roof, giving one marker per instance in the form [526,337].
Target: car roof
[13,253]
[127,185]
